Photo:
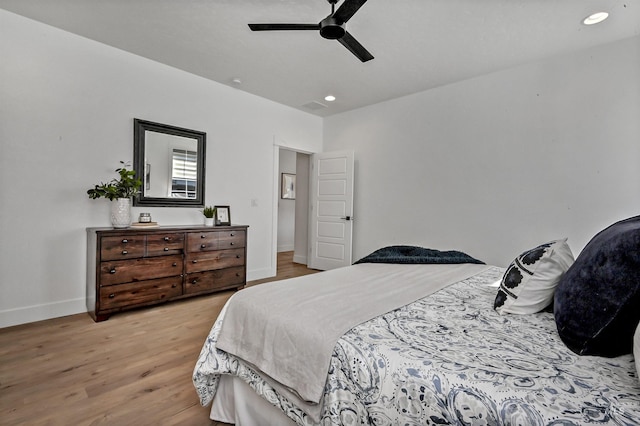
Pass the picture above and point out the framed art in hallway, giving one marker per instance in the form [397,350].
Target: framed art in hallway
[288,186]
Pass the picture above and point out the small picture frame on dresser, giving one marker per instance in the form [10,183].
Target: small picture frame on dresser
[223,215]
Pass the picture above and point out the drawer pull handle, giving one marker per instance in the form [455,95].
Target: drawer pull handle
[112,271]
[194,282]
[237,256]
[175,264]
[167,238]
[203,246]
[203,236]
[125,241]
[174,286]
[230,244]
[166,249]
[125,252]
[232,234]
[194,261]
[237,274]
[112,295]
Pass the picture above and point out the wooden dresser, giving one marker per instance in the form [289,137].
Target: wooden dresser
[133,267]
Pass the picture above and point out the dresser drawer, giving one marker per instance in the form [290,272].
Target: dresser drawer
[231,239]
[163,244]
[202,241]
[146,268]
[213,280]
[205,261]
[140,293]
[115,248]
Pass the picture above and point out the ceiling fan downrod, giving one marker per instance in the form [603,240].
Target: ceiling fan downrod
[330,28]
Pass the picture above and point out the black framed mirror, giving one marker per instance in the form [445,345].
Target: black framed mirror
[170,161]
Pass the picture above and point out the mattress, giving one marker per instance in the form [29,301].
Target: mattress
[449,358]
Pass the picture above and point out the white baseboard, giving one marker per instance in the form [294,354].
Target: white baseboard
[27,314]
[299,259]
[258,274]
[285,247]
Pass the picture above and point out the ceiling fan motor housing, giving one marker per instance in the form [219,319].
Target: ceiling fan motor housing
[331,29]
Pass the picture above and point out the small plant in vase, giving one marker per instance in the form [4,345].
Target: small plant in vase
[119,190]
[209,213]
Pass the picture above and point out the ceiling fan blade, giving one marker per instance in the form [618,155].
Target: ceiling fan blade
[283,27]
[354,47]
[348,9]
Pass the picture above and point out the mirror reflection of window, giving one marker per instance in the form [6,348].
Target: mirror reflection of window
[184,177]
[170,162]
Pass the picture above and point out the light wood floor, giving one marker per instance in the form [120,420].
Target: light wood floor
[134,369]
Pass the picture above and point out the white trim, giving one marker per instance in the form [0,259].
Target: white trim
[27,314]
[286,247]
[274,209]
[300,259]
[259,274]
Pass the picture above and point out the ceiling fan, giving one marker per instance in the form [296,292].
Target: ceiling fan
[333,27]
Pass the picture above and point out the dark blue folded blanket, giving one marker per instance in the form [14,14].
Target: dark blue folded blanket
[413,254]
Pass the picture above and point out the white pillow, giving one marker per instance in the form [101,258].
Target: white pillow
[531,279]
[636,350]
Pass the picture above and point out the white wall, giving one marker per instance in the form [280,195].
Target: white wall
[66,119]
[286,207]
[303,170]
[498,163]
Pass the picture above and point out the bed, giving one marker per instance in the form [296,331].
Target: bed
[447,356]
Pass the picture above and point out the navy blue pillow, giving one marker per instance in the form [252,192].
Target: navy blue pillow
[597,302]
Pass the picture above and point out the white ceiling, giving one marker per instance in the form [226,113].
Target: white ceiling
[417,44]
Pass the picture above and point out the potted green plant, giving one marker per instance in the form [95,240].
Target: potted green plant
[120,190]
[209,213]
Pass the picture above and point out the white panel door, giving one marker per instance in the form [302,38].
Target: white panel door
[331,210]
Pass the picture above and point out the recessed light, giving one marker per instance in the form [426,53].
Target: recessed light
[329,98]
[595,18]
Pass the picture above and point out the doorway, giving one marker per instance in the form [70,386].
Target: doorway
[293,208]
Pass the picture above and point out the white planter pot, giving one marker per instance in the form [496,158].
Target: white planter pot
[121,213]
[208,221]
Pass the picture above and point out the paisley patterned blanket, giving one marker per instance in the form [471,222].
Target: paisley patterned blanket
[449,358]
